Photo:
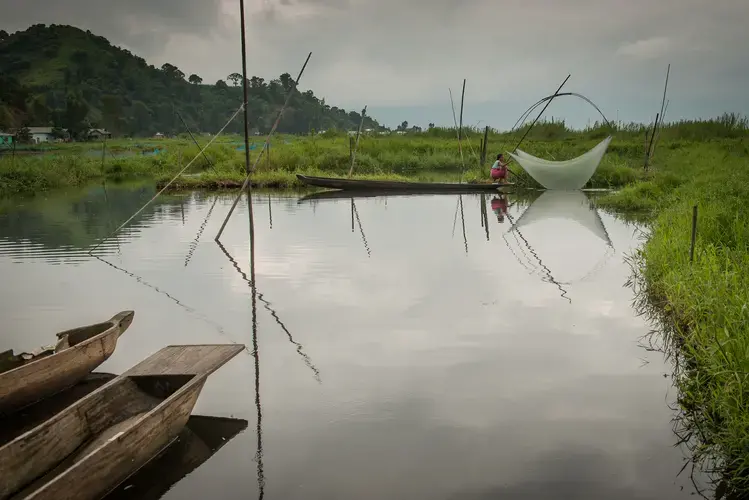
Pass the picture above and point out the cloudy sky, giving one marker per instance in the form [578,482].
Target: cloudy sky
[400,57]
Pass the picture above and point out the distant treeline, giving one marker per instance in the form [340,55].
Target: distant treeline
[61,76]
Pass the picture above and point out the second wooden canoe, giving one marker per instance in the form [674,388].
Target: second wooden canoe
[420,187]
[29,377]
[96,443]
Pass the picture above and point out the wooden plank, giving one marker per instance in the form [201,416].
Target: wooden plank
[186,359]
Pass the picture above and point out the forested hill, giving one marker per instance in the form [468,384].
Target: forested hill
[62,76]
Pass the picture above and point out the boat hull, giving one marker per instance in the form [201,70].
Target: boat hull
[50,374]
[93,445]
[417,187]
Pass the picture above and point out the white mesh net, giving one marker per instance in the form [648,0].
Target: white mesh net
[564,175]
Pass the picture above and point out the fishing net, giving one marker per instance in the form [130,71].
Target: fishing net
[563,175]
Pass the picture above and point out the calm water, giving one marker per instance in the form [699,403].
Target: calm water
[409,347]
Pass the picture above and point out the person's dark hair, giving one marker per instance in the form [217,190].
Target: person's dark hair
[499,156]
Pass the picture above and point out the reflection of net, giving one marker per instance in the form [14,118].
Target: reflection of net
[568,174]
[567,205]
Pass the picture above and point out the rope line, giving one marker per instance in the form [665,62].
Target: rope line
[90,252]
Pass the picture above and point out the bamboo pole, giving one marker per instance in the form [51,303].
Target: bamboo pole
[652,136]
[356,144]
[267,139]
[541,113]
[661,114]
[184,124]
[485,147]
[244,90]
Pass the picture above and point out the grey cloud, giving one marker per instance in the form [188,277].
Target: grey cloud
[143,25]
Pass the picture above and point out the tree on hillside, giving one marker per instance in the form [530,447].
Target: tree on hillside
[76,111]
[234,78]
[3,35]
[220,84]
[403,126]
[287,82]
[172,71]
[195,79]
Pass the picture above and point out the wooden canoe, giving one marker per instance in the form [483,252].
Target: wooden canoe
[29,377]
[25,419]
[419,187]
[89,448]
[201,438]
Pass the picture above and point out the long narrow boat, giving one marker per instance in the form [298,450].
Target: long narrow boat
[29,377]
[25,419]
[96,443]
[201,438]
[420,187]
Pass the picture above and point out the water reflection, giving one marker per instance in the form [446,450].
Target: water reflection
[431,348]
[62,226]
[553,211]
[202,437]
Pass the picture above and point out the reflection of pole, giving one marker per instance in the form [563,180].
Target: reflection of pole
[256,354]
[361,229]
[270,212]
[463,221]
[485,215]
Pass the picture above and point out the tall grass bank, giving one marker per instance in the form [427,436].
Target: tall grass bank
[703,306]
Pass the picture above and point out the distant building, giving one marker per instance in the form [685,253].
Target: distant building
[41,134]
[6,139]
[158,135]
[98,134]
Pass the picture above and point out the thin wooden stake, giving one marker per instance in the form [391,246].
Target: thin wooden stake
[457,134]
[462,99]
[694,233]
[484,147]
[103,153]
[356,144]
[652,136]
[659,124]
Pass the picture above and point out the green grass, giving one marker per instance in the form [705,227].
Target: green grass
[415,157]
[702,306]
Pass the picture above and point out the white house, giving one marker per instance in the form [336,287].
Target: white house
[41,134]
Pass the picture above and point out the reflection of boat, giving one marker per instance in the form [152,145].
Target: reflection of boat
[28,377]
[201,438]
[423,187]
[97,442]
